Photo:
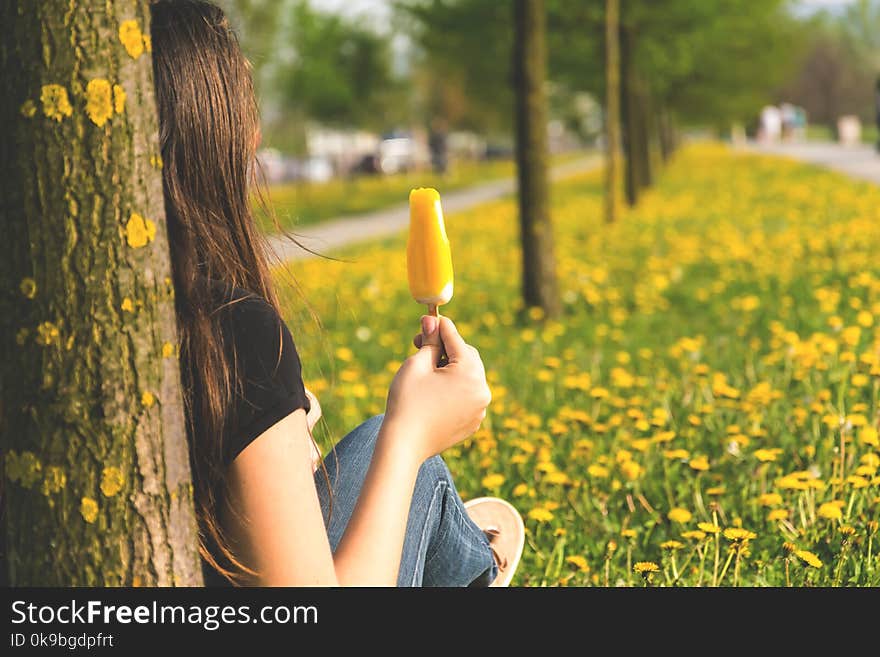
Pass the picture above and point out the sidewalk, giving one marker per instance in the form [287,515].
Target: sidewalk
[860,161]
[330,235]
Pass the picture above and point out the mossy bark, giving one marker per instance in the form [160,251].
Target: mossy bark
[612,109]
[96,467]
[529,66]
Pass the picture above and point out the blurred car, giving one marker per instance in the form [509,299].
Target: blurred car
[396,154]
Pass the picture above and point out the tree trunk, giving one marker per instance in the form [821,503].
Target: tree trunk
[612,108]
[636,116]
[529,66]
[666,133]
[96,477]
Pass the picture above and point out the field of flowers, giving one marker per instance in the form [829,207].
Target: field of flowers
[705,411]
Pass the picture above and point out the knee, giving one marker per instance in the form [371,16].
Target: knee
[358,445]
[432,472]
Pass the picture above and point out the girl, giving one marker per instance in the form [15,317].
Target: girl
[383,510]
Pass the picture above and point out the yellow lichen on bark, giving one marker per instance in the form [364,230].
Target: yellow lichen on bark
[99,101]
[118,99]
[24,469]
[54,480]
[139,231]
[132,38]
[47,333]
[28,109]
[148,399]
[127,305]
[28,287]
[56,104]
[88,509]
[167,350]
[111,481]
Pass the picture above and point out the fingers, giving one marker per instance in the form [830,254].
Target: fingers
[456,347]
[428,342]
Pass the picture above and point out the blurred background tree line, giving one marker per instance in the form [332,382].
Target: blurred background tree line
[695,62]
[457,65]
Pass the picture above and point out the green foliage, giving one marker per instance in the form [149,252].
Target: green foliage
[340,70]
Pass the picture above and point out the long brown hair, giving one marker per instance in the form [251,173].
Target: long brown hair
[209,132]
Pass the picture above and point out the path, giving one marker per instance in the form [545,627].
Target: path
[860,161]
[330,235]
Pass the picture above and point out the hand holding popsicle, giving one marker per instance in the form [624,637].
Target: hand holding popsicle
[428,256]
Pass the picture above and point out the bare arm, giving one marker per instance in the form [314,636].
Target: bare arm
[274,515]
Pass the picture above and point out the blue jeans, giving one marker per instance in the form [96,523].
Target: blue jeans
[442,547]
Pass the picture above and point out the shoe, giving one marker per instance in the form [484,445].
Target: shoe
[503,526]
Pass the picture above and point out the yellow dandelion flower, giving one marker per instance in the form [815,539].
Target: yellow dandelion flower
[56,104]
[868,436]
[830,510]
[770,499]
[88,509]
[493,481]
[694,535]
[99,101]
[708,527]
[715,491]
[865,319]
[808,558]
[540,514]
[520,489]
[645,568]
[597,471]
[672,545]
[578,562]
[767,455]
[558,478]
[739,534]
[680,515]
[139,231]
[676,454]
[132,38]
[631,470]
[699,463]
[629,533]
[777,514]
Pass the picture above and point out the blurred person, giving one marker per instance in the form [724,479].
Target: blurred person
[770,127]
[381,508]
[437,144]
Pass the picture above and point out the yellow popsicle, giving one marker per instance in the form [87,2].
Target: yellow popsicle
[428,257]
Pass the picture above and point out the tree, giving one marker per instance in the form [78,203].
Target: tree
[529,66]
[96,467]
[612,107]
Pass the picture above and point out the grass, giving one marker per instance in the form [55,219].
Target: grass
[300,204]
[705,410]
[818,132]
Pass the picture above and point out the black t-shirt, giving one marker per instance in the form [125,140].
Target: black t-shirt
[267,363]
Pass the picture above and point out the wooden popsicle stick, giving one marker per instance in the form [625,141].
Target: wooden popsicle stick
[434,310]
